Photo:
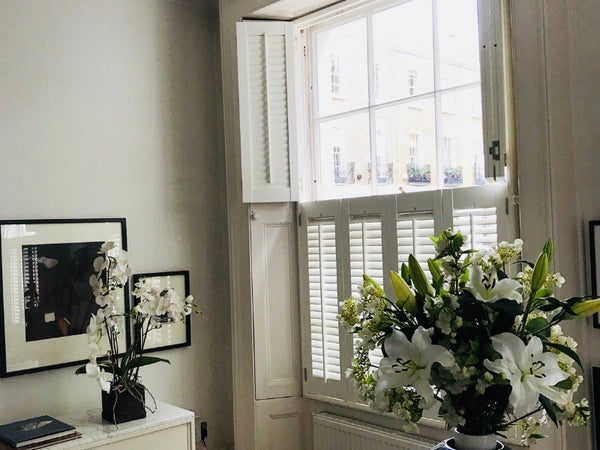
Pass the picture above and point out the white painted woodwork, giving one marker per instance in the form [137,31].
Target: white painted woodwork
[267,111]
[280,425]
[275,301]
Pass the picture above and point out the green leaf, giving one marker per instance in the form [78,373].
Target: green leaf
[551,304]
[143,361]
[544,293]
[534,326]
[566,350]
[567,384]
[405,273]
[506,306]
[545,401]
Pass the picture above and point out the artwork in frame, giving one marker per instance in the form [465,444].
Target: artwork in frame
[596,415]
[170,334]
[595,262]
[46,300]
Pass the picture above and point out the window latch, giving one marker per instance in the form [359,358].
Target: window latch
[495,150]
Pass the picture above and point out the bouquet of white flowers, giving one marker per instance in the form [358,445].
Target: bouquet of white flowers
[487,348]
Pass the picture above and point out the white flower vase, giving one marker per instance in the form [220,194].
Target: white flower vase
[470,442]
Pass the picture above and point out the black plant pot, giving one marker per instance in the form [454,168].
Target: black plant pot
[124,404]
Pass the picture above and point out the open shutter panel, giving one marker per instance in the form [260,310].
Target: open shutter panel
[323,300]
[493,84]
[267,124]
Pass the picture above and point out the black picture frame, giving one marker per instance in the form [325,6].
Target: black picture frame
[45,297]
[171,334]
[595,261]
[596,394]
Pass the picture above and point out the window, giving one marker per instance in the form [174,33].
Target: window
[434,47]
[399,99]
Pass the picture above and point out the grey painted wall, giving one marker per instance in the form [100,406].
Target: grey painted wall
[112,109]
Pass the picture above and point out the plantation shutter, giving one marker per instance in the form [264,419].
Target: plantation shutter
[321,286]
[416,222]
[267,118]
[481,214]
[493,57]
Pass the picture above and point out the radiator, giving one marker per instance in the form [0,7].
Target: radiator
[332,432]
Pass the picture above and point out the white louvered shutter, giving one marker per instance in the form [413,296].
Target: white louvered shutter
[267,104]
[414,232]
[481,214]
[478,226]
[366,257]
[323,300]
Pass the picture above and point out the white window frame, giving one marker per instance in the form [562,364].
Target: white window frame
[443,204]
[492,24]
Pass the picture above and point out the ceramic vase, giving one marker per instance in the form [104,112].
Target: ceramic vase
[470,442]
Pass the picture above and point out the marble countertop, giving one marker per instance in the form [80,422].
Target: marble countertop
[95,429]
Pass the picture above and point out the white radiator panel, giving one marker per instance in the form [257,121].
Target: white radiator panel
[333,432]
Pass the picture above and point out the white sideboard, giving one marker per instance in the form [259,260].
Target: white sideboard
[169,427]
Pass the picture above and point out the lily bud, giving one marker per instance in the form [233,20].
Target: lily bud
[540,271]
[584,309]
[419,279]
[405,296]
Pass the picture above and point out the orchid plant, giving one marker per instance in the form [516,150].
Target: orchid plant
[487,348]
[111,368]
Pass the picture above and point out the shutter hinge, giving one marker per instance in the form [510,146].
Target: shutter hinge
[299,220]
[305,375]
[304,51]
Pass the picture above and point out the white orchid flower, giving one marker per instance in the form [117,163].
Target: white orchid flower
[486,287]
[409,363]
[93,371]
[530,370]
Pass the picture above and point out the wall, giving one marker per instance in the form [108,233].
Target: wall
[110,108]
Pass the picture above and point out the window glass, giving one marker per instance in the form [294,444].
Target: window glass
[403,50]
[341,55]
[419,126]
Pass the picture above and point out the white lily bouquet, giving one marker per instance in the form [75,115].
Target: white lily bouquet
[488,349]
[112,369]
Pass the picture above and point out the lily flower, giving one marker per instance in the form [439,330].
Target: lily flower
[409,363]
[530,370]
[486,287]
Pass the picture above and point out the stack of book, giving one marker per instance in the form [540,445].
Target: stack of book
[37,432]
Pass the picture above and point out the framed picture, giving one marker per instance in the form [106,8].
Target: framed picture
[595,261]
[170,334]
[46,300]
[596,393]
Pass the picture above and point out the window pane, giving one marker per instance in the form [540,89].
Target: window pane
[458,36]
[342,68]
[462,142]
[345,157]
[403,51]
[406,142]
